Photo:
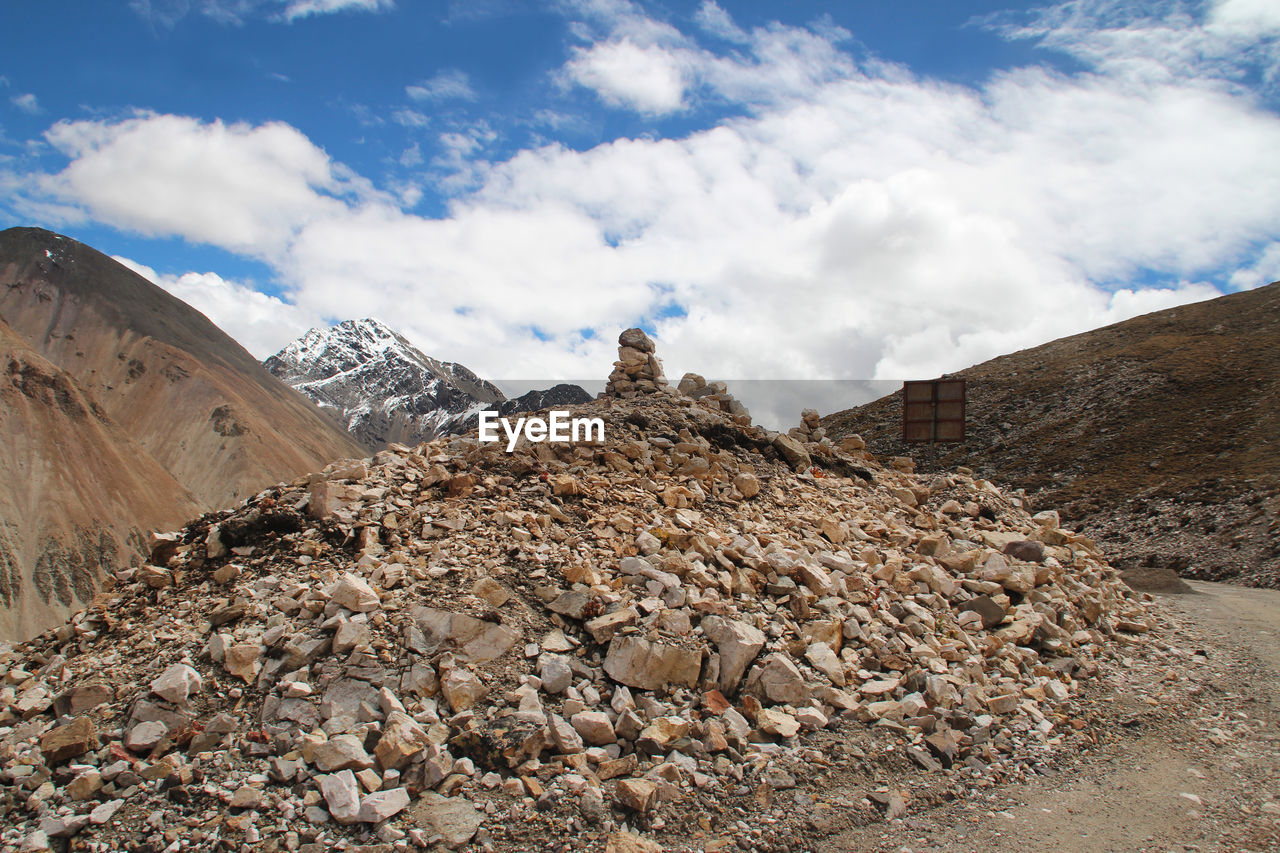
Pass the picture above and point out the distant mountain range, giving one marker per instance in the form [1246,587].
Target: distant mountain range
[384,389]
[125,411]
[1159,436]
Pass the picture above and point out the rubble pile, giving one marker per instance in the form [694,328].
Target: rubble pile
[450,644]
[638,369]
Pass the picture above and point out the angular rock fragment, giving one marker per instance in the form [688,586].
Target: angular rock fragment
[69,741]
[637,662]
[176,683]
[454,819]
[341,795]
[354,593]
[738,644]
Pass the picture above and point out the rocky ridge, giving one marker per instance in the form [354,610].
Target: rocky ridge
[653,639]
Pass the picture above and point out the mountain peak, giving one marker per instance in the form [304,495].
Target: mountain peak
[383,387]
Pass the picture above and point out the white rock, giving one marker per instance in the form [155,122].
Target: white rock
[342,752]
[244,660]
[381,805]
[352,592]
[144,736]
[823,659]
[103,813]
[342,795]
[462,689]
[781,681]
[555,672]
[176,683]
[594,726]
[738,644]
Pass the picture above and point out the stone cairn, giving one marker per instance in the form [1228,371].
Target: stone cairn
[714,394]
[810,429]
[637,370]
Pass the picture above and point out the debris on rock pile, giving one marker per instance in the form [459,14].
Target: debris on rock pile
[452,644]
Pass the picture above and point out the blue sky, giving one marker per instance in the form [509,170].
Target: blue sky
[779,190]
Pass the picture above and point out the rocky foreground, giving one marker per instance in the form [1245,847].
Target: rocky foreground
[665,640]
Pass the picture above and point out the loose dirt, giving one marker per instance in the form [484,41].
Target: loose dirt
[1191,762]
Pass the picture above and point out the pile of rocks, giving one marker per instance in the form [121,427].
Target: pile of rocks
[451,644]
[810,429]
[637,370]
[714,393]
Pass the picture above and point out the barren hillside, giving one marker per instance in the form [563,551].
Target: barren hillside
[79,496]
[125,411]
[1160,436]
[201,405]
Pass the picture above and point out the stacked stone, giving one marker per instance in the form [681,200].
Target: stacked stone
[637,370]
[810,429]
[714,395]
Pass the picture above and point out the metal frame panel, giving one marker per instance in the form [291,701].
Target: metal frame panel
[933,410]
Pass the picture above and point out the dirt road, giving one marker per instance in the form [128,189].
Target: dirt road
[1189,760]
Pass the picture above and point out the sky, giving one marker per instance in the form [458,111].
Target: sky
[800,190]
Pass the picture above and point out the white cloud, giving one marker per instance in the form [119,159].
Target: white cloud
[260,323]
[305,8]
[654,69]
[716,21]
[410,118]
[411,156]
[648,79]
[28,103]
[248,189]
[859,222]
[450,84]
[1259,16]
[1264,270]
[167,13]
[1158,40]
[459,166]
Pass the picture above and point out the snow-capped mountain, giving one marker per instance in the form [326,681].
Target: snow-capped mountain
[380,385]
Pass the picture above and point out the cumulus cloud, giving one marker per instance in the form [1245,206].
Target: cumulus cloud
[262,324]
[635,62]
[1260,16]
[716,21]
[648,79]
[1264,269]
[857,222]
[450,84]
[246,188]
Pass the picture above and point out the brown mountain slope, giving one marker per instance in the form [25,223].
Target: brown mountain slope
[79,495]
[1159,435]
[188,394]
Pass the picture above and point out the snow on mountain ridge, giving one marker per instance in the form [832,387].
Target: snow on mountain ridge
[381,386]
[386,390]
